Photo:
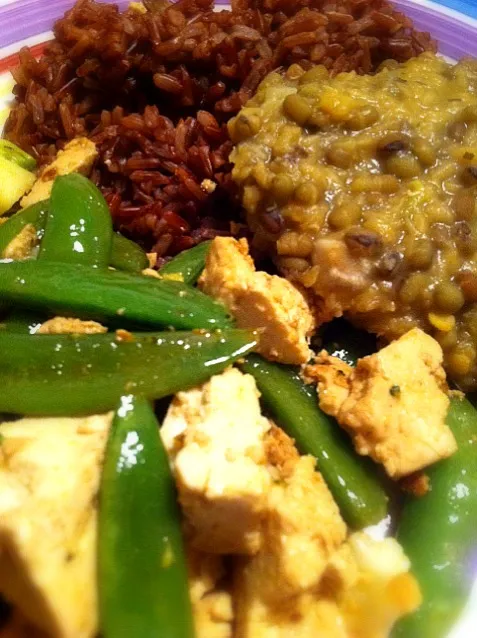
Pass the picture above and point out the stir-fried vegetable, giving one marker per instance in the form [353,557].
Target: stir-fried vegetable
[78,227]
[35,215]
[125,254]
[141,565]
[437,532]
[188,264]
[69,376]
[15,182]
[108,295]
[14,154]
[352,480]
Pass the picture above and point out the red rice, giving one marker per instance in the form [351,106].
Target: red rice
[154,91]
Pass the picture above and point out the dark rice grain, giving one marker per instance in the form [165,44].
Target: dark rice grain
[154,90]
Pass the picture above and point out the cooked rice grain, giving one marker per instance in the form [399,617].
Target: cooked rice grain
[154,91]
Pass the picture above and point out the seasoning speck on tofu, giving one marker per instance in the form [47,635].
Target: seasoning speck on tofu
[393,404]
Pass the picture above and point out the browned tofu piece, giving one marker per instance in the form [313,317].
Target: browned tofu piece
[393,404]
[214,435]
[70,325]
[211,600]
[49,478]
[22,245]
[77,157]
[259,300]
[365,589]
[274,590]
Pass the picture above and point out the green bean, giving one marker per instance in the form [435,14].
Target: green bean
[351,479]
[188,264]
[78,228]
[35,215]
[65,375]
[142,574]
[14,154]
[135,300]
[437,532]
[125,254]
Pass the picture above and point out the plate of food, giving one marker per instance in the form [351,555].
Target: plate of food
[238,319]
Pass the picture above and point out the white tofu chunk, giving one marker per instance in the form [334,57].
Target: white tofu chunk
[393,404]
[274,590]
[211,600]
[259,300]
[303,526]
[365,589]
[49,479]
[214,437]
[77,157]
[371,584]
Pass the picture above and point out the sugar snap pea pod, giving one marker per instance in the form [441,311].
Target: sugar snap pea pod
[78,228]
[352,479]
[127,255]
[76,290]
[142,574]
[188,264]
[14,154]
[35,215]
[69,375]
[438,532]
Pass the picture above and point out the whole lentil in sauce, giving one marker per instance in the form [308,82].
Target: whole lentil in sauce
[374,179]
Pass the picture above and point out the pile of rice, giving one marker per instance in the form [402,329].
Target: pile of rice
[154,89]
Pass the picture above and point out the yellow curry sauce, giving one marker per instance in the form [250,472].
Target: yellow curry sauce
[364,189]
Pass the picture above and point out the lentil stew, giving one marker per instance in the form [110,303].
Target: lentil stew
[363,188]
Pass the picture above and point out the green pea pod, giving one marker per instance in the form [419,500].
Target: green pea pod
[437,532]
[142,574]
[188,264]
[352,479]
[127,255]
[35,215]
[137,300]
[69,375]
[14,154]
[78,228]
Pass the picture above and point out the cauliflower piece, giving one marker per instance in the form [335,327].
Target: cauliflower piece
[211,603]
[393,404]
[48,520]
[70,325]
[259,300]
[78,156]
[22,245]
[214,437]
